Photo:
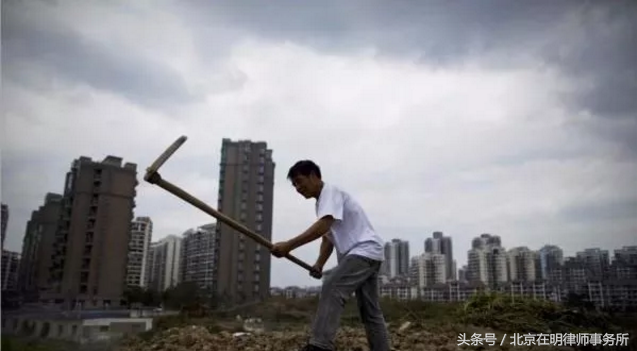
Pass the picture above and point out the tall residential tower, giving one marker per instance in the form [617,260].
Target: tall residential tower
[88,264]
[246,193]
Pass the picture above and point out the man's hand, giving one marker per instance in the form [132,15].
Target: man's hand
[281,249]
[317,271]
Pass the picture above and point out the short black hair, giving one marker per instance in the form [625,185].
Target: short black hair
[304,168]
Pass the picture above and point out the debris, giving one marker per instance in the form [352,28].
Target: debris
[198,338]
[404,327]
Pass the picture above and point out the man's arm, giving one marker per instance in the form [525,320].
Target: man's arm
[314,232]
[326,251]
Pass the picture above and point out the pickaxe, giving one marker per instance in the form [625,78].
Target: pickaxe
[152,176]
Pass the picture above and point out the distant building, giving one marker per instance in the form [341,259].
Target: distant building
[440,244]
[477,266]
[246,194]
[596,261]
[521,264]
[428,269]
[10,266]
[4,221]
[197,256]
[89,259]
[487,261]
[551,259]
[165,261]
[138,252]
[396,258]
[462,274]
[627,255]
[37,248]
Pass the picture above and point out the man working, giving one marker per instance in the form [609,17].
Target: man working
[343,224]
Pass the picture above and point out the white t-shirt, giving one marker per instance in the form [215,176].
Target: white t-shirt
[351,232]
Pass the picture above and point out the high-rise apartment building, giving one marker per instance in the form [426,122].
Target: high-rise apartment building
[477,266]
[9,272]
[428,269]
[138,252]
[246,194]
[396,259]
[37,248]
[551,259]
[165,261]
[521,264]
[90,249]
[487,260]
[627,255]
[462,274]
[198,255]
[441,244]
[4,221]
[596,261]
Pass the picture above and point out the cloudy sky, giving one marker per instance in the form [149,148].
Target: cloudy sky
[507,117]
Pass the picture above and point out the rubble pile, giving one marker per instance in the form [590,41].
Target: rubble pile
[198,338]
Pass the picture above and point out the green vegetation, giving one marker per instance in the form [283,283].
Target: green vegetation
[515,314]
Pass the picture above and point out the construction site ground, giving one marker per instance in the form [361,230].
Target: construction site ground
[413,326]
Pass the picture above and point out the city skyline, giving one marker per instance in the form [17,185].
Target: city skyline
[457,118]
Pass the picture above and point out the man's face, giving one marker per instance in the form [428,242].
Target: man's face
[305,185]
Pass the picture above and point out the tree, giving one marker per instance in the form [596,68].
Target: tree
[134,294]
[151,297]
[185,295]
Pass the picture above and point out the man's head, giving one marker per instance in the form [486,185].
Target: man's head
[306,177]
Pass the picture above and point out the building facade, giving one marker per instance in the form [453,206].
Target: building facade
[89,260]
[198,255]
[551,259]
[440,244]
[37,248]
[246,194]
[397,259]
[165,263]
[9,272]
[428,269]
[521,264]
[138,252]
[4,221]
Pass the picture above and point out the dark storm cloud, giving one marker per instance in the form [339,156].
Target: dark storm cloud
[53,47]
[442,30]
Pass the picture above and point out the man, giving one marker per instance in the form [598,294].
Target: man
[342,224]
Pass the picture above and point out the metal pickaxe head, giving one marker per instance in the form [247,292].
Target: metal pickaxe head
[152,176]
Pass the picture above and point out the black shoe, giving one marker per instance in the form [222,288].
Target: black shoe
[310,347]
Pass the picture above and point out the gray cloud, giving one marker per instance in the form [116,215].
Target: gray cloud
[56,50]
[591,42]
